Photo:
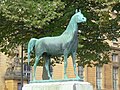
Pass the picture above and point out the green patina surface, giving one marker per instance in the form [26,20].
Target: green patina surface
[66,44]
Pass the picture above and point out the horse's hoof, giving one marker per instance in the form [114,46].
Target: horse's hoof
[34,79]
[50,78]
[65,77]
[77,77]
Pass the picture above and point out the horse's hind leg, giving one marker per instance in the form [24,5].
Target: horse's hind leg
[74,64]
[35,65]
[47,63]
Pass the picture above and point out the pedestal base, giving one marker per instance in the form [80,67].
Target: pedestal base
[69,85]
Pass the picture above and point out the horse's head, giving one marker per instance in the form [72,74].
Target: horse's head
[79,17]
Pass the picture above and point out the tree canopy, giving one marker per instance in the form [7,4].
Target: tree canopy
[21,20]
[24,19]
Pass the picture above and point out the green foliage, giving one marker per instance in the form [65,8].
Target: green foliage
[93,48]
[21,20]
[96,31]
[24,19]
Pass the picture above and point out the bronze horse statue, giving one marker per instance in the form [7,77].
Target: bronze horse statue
[65,44]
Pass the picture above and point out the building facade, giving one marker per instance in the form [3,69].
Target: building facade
[106,77]
[10,72]
[3,67]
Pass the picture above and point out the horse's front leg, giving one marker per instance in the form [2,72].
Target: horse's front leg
[74,64]
[47,63]
[65,66]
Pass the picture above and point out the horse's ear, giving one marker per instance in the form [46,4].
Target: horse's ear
[79,10]
[76,11]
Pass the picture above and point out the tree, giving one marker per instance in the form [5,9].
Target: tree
[21,20]
[24,19]
[100,27]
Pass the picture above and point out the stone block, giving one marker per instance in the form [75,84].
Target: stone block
[64,85]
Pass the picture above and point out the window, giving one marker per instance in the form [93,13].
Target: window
[99,78]
[80,71]
[19,86]
[26,70]
[26,67]
[115,57]
[115,78]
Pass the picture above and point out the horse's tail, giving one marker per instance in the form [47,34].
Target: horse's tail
[31,44]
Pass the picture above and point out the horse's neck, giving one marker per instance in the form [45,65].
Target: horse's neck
[71,28]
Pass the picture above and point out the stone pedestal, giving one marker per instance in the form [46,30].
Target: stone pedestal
[66,85]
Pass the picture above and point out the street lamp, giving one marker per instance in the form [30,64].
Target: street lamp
[21,66]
